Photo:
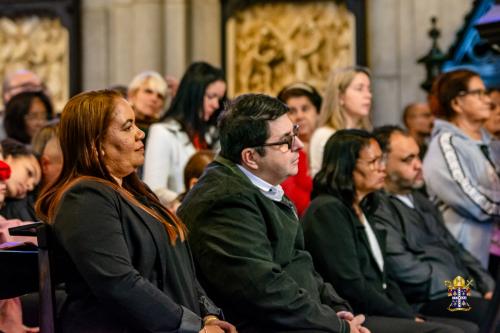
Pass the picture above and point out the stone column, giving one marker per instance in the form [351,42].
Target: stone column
[95,44]
[175,37]
[397,38]
[205,29]
[122,43]
[384,58]
[147,36]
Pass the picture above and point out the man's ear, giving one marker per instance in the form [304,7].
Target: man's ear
[248,158]
[455,105]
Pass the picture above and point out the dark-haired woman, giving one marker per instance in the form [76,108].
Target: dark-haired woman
[347,249]
[458,169]
[25,114]
[187,126]
[127,266]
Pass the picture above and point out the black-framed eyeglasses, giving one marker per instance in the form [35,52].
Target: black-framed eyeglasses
[287,143]
[481,93]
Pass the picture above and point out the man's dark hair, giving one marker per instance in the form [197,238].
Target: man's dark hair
[383,135]
[245,123]
[339,161]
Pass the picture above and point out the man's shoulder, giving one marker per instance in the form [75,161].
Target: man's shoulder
[218,185]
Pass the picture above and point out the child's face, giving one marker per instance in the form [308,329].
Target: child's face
[24,177]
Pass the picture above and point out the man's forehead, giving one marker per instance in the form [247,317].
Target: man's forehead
[280,126]
[421,108]
[402,143]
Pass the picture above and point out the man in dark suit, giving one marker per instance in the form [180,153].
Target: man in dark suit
[246,239]
[421,253]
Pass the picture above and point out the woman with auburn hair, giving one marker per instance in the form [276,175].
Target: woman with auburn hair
[127,265]
[458,169]
[346,104]
[187,126]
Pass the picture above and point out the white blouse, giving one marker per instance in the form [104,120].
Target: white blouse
[374,245]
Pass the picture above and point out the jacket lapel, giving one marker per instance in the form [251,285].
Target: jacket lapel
[150,223]
[379,234]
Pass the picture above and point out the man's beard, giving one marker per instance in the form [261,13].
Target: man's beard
[404,184]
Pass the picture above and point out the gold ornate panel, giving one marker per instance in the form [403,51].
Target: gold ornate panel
[40,44]
[274,44]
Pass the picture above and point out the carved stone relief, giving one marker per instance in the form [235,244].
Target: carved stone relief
[272,45]
[40,44]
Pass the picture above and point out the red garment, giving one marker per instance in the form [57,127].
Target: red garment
[198,143]
[299,187]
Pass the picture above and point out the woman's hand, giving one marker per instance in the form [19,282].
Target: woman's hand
[223,326]
[211,329]
[218,326]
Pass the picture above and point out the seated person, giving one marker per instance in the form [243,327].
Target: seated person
[240,221]
[47,149]
[25,114]
[419,120]
[347,249]
[421,252]
[192,172]
[127,263]
[11,316]
[25,176]
[304,103]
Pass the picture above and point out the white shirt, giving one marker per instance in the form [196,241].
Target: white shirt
[374,245]
[317,146]
[274,193]
[168,149]
[407,199]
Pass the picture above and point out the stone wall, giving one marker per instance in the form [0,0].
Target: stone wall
[123,37]
[397,37]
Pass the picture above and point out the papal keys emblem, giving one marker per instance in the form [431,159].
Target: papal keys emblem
[458,290]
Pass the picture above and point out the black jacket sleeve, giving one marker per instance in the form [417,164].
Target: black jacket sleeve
[332,241]
[236,259]
[88,226]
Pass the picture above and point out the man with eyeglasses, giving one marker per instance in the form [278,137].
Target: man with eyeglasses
[244,233]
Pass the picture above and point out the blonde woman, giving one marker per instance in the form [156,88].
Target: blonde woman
[346,104]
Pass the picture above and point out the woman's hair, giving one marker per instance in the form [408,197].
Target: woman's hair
[332,113]
[83,127]
[151,80]
[445,88]
[196,164]
[14,148]
[16,110]
[300,89]
[187,105]
[41,139]
[339,162]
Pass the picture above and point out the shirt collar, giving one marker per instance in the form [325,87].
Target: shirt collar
[274,193]
[407,199]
